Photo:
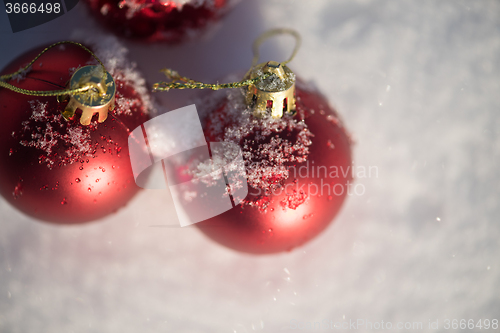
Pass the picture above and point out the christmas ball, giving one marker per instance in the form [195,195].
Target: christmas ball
[298,170]
[158,20]
[59,170]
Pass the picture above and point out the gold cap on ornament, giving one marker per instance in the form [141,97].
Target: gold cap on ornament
[99,98]
[273,95]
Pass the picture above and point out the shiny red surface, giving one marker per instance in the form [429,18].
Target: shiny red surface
[87,189]
[292,218]
[153,20]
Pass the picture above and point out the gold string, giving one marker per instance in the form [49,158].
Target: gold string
[62,92]
[182,82]
[187,83]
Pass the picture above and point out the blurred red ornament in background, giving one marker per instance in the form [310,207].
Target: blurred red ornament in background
[157,20]
[61,171]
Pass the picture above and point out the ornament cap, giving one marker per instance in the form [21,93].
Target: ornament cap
[99,98]
[275,94]
[274,67]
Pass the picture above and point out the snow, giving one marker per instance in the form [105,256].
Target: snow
[45,131]
[416,82]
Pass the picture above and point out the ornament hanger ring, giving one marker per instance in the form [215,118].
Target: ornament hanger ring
[271,33]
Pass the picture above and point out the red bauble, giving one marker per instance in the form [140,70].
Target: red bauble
[299,172]
[61,171]
[158,20]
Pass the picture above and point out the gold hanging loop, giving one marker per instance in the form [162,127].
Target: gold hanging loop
[271,33]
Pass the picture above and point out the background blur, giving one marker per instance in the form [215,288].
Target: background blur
[417,83]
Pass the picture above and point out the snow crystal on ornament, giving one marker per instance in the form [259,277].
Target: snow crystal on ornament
[273,82]
[125,105]
[21,75]
[294,199]
[45,131]
[135,6]
[268,145]
[194,3]
[180,3]
[132,7]
[80,140]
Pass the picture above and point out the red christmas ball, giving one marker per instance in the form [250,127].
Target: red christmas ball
[61,171]
[158,20]
[298,170]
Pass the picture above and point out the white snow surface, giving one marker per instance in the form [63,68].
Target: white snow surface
[416,83]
